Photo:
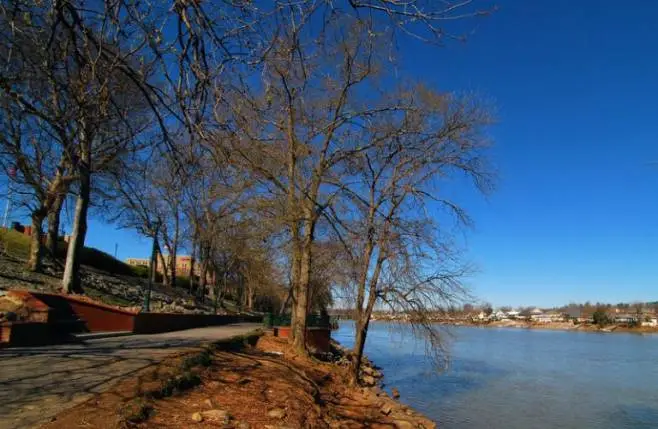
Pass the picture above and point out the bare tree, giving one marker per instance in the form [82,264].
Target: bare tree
[402,256]
[294,129]
[36,131]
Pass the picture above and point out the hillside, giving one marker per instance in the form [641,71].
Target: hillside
[103,278]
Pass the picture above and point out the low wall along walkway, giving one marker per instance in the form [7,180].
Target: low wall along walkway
[69,314]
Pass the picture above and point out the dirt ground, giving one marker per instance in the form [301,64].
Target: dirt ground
[265,386]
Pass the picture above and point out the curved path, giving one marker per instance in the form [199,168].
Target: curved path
[37,383]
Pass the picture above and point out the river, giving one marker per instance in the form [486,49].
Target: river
[521,378]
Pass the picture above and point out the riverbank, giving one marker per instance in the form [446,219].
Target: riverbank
[558,326]
[252,383]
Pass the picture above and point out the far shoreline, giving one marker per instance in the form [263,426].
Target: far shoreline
[554,326]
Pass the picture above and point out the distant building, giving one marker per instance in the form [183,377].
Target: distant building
[500,315]
[183,264]
[548,317]
[626,318]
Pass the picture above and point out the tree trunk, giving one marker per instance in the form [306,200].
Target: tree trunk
[203,279]
[174,255]
[284,304]
[165,268]
[251,292]
[192,262]
[71,280]
[302,292]
[153,261]
[294,277]
[172,267]
[357,351]
[52,240]
[36,255]
[364,315]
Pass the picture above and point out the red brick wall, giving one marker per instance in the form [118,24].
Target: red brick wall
[98,317]
[316,338]
[150,323]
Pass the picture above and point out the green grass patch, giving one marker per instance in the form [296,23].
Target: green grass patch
[17,245]
[105,262]
[140,271]
[14,244]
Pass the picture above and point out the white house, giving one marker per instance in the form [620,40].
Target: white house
[549,317]
[650,321]
[626,318]
[500,315]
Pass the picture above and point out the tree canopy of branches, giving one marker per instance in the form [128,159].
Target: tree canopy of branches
[270,139]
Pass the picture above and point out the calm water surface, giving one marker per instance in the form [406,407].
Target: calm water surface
[523,379]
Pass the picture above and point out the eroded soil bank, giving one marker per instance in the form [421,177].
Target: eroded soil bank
[251,383]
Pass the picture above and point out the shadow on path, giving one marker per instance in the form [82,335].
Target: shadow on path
[36,383]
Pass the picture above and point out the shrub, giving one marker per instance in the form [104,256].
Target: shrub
[601,318]
[136,411]
[177,384]
[201,359]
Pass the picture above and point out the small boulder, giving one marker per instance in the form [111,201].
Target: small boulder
[197,417]
[217,415]
[369,380]
[395,393]
[404,424]
[386,409]
[277,413]
[209,403]
[242,425]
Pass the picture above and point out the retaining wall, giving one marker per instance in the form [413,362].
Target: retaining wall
[316,338]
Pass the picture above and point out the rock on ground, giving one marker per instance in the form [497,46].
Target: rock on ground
[277,413]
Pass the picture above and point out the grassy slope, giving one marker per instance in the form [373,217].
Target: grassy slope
[17,245]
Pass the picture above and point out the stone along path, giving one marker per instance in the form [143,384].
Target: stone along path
[37,383]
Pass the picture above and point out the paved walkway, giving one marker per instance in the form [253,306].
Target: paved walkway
[37,383]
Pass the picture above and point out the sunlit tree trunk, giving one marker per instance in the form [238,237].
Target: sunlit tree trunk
[35,261]
[71,281]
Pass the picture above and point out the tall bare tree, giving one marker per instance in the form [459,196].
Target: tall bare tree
[402,254]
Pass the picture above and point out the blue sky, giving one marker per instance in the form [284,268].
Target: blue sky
[575,214]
